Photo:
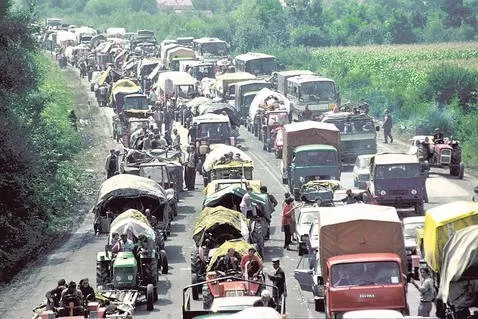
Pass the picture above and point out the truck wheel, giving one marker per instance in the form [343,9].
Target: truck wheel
[164,262]
[284,180]
[461,172]
[419,208]
[269,147]
[149,297]
[194,280]
[276,153]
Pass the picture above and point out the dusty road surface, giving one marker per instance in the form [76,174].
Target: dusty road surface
[75,257]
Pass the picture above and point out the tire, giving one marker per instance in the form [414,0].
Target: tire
[419,208]
[164,262]
[150,297]
[269,149]
[102,273]
[207,298]
[461,172]
[454,170]
[264,147]
[155,294]
[195,289]
[276,153]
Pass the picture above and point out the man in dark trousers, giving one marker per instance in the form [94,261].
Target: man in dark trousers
[190,167]
[111,164]
[387,126]
[278,280]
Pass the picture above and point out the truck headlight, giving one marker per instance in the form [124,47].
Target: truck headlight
[413,191]
[118,278]
[130,277]
[383,193]
[302,179]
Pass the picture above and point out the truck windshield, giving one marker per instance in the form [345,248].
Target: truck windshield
[313,158]
[156,173]
[396,171]
[213,130]
[140,103]
[261,66]
[317,91]
[214,49]
[248,100]
[353,126]
[365,274]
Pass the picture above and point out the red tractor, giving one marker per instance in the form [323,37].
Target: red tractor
[448,154]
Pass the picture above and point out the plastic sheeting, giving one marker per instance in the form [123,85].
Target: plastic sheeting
[134,221]
[218,151]
[459,255]
[262,95]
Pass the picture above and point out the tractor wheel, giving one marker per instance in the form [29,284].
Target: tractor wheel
[194,280]
[461,172]
[164,262]
[454,170]
[269,149]
[102,273]
[150,297]
[207,298]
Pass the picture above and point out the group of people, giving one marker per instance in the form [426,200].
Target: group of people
[63,294]
[250,264]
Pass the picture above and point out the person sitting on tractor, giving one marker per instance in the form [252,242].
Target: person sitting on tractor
[438,137]
[53,296]
[143,247]
[153,221]
[124,244]
[255,263]
[72,294]
[265,301]
[87,290]
[229,262]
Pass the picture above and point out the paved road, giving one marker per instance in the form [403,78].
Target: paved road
[75,259]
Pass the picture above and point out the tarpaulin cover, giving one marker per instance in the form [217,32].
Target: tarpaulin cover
[223,183]
[212,217]
[459,255]
[194,104]
[218,151]
[359,228]
[259,102]
[219,108]
[241,246]
[126,185]
[440,224]
[233,195]
[133,220]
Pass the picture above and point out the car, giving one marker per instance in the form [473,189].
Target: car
[411,225]
[305,219]
[361,172]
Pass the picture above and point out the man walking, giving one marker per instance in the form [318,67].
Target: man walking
[190,167]
[278,279]
[427,293]
[387,126]
[111,164]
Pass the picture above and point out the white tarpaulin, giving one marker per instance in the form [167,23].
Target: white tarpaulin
[262,97]
[218,151]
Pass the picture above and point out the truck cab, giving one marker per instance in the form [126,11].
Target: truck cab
[312,162]
[398,180]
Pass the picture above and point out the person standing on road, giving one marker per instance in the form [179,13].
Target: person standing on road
[190,167]
[387,126]
[287,221]
[278,280]
[158,117]
[176,138]
[111,164]
[427,293]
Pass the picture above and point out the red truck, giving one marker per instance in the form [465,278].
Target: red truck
[359,263]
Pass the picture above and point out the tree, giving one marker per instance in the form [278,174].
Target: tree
[304,12]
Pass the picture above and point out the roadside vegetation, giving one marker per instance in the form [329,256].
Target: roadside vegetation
[39,182]
[368,47]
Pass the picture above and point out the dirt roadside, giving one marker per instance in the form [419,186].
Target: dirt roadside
[94,127]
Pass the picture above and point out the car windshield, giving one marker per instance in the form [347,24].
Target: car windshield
[365,274]
[410,229]
[311,158]
[307,218]
[362,162]
[397,171]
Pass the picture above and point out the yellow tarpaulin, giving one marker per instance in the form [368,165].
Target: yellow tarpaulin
[103,76]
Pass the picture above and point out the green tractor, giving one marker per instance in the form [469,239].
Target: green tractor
[131,276]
